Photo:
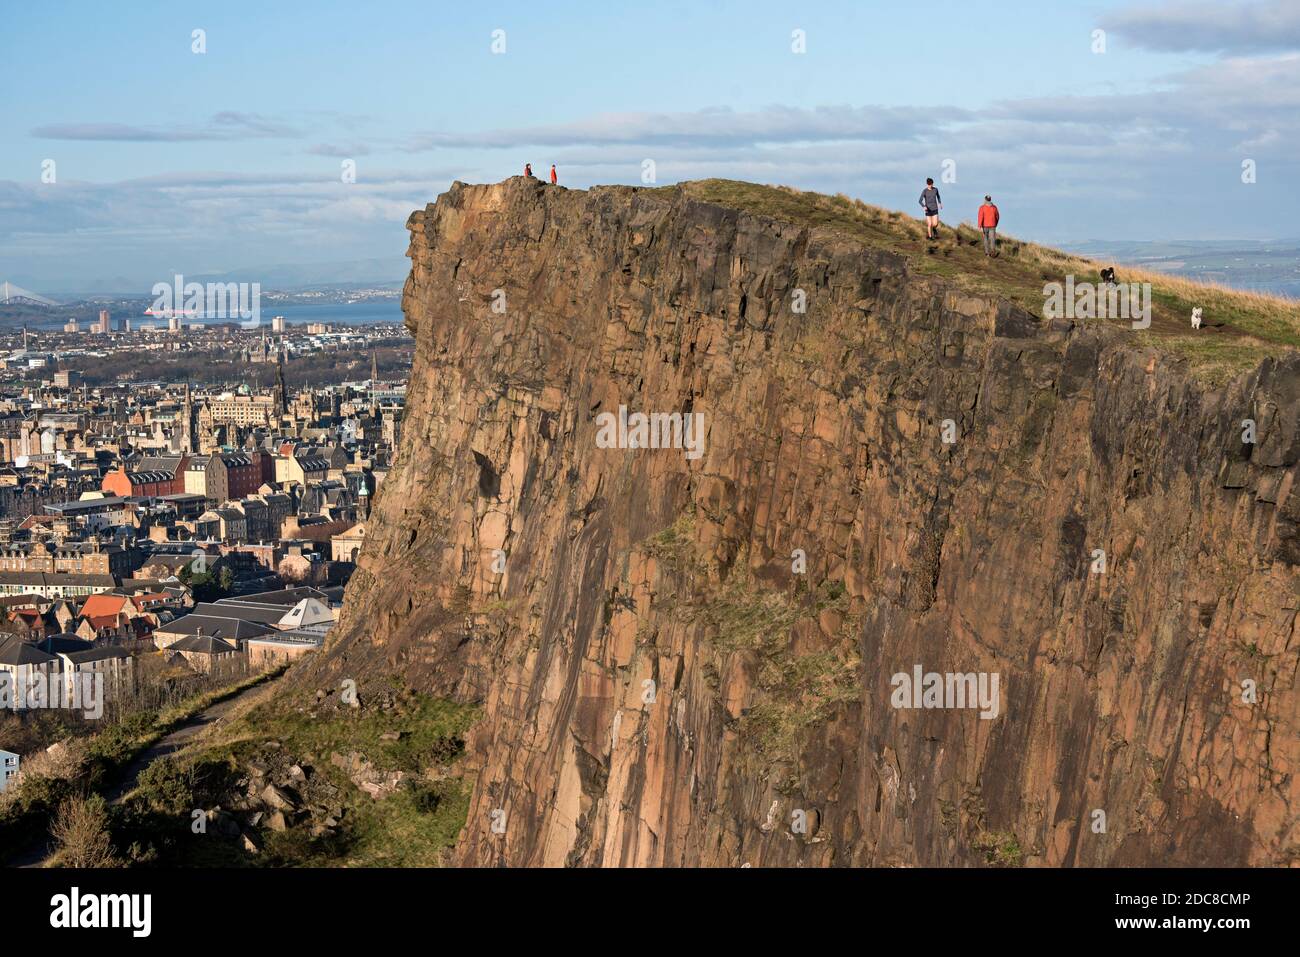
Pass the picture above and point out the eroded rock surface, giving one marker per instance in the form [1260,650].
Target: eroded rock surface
[659,686]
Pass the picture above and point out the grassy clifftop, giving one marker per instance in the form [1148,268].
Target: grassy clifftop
[1241,327]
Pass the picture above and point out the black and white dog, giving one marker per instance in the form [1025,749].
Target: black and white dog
[1108,275]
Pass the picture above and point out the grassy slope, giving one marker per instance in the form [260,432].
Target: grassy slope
[99,759]
[1253,325]
[413,827]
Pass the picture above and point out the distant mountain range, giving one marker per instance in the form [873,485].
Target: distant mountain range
[284,277]
[1267,266]
[1262,265]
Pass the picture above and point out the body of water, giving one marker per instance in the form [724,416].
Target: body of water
[355,313]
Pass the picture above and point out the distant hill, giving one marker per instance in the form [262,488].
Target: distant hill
[287,277]
[282,276]
[1264,266]
[1261,266]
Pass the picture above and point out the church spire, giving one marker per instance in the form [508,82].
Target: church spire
[281,403]
[374,384]
[187,422]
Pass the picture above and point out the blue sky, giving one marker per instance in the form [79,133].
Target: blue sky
[171,161]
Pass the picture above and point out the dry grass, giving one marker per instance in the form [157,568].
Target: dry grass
[62,761]
[80,831]
[1241,327]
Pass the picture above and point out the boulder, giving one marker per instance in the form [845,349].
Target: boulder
[278,798]
[220,822]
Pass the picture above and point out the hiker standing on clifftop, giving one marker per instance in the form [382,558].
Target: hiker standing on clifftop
[931,202]
[988,224]
[554,179]
[528,169]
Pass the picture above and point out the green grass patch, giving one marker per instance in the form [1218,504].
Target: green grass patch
[1000,848]
[413,826]
[797,691]
[674,547]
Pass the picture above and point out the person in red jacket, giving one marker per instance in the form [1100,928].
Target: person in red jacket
[988,223]
[554,178]
[528,169]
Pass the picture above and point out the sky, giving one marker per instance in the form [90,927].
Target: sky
[126,156]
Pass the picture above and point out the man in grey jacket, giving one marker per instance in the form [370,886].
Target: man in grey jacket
[931,203]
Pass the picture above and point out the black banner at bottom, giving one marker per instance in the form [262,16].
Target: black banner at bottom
[343,907]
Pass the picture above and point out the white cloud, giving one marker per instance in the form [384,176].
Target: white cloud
[1066,166]
[709,127]
[225,125]
[1220,26]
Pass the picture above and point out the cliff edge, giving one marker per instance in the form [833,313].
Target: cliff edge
[689,654]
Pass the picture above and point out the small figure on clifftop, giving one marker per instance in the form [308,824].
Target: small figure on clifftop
[931,203]
[528,169]
[554,179]
[988,223]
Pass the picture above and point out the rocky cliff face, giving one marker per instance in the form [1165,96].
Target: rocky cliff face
[689,659]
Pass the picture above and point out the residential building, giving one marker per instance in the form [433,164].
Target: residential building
[55,585]
[22,663]
[9,765]
[204,653]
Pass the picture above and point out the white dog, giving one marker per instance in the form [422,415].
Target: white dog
[1196,318]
